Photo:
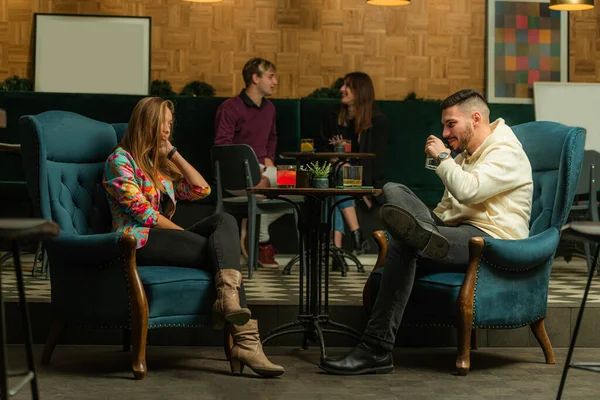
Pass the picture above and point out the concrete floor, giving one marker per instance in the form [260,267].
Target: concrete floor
[102,372]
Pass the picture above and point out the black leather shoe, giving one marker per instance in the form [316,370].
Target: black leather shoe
[363,359]
[359,244]
[423,236]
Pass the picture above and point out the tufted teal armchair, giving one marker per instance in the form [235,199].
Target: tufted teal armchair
[506,282]
[94,277]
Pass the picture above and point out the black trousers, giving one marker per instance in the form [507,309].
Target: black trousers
[211,244]
[401,263]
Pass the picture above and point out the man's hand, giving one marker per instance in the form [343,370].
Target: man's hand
[434,146]
[269,162]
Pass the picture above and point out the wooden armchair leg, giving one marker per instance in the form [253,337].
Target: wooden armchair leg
[463,359]
[539,331]
[466,333]
[58,326]
[139,333]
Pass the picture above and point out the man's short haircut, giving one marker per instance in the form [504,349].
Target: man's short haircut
[467,100]
[256,66]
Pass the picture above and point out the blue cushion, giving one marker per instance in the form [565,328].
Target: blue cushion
[177,293]
[434,294]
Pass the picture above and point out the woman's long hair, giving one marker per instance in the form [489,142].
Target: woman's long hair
[142,140]
[364,98]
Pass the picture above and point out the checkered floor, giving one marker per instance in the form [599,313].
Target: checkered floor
[269,286]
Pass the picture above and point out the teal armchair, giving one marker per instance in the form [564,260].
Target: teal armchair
[95,281]
[505,285]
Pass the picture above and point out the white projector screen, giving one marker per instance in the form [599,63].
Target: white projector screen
[574,104]
[92,54]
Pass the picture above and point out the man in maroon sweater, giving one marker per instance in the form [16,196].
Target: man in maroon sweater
[249,118]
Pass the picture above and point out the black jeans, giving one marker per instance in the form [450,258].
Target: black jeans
[211,244]
[401,263]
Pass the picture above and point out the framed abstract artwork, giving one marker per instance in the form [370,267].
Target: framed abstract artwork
[527,42]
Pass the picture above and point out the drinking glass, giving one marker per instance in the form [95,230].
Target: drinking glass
[352,176]
[430,163]
[347,145]
[307,145]
[286,176]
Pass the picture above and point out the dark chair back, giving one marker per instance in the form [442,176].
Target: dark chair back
[235,168]
[590,157]
[236,165]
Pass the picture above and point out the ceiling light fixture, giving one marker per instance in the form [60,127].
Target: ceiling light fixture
[571,5]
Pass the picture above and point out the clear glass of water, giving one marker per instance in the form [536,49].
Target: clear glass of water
[430,163]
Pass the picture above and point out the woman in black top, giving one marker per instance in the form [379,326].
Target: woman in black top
[357,119]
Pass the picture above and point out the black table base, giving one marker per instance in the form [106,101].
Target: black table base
[313,315]
[312,328]
[336,253]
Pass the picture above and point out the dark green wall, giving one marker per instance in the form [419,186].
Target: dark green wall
[410,123]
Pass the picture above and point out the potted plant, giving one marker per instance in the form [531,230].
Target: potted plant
[332,92]
[16,84]
[198,89]
[161,88]
[319,174]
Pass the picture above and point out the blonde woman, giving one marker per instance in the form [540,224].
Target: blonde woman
[144,177]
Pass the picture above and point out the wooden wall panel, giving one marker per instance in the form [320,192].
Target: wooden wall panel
[433,47]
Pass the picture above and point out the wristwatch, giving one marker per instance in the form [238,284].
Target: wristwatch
[171,152]
[442,156]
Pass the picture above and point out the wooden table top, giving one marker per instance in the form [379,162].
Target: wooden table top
[355,192]
[327,155]
[27,228]
[10,148]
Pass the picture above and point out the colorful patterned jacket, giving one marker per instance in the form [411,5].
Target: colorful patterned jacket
[134,201]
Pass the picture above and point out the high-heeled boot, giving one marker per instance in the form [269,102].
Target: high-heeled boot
[227,306]
[247,350]
[359,244]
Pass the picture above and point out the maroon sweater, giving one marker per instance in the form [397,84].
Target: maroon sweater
[240,121]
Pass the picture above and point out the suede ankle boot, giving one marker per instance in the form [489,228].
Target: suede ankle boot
[227,306]
[247,350]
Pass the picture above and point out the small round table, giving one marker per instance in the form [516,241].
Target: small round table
[341,159]
[313,227]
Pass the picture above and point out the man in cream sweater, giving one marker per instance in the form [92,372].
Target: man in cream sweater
[489,190]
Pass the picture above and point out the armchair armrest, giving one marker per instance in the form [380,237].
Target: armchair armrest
[95,280]
[522,254]
[381,238]
[511,255]
[513,273]
[89,250]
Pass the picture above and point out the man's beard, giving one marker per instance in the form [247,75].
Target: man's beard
[466,136]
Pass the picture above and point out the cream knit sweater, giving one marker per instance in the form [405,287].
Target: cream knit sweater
[490,189]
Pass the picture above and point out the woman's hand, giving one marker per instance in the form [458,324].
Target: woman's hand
[337,139]
[165,147]
[368,201]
